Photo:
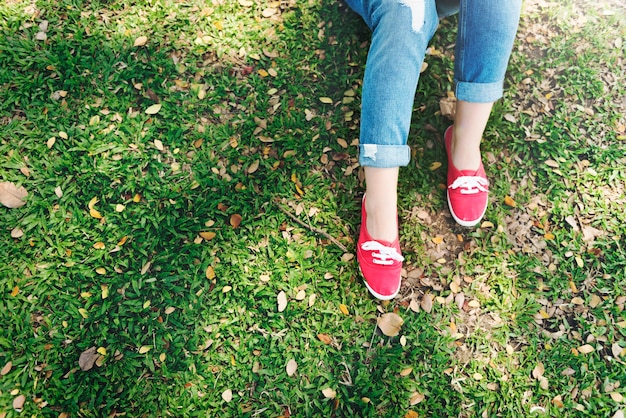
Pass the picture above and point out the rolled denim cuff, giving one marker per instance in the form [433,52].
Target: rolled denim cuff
[479,92]
[384,156]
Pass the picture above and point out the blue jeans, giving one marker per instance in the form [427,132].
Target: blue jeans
[401,30]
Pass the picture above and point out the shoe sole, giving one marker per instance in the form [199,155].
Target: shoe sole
[466,224]
[376,294]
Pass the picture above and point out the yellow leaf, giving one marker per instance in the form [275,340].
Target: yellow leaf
[102,351]
[141,41]
[406,372]
[101,270]
[411,414]
[144,349]
[508,200]
[162,357]
[15,291]
[487,224]
[154,109]
[83,312]
[434,166]
[210,273]
[85,295]
[263,73]
[95,214]
[344,309]
[169,310]
[549,236]
[50,143]
[207,235]
[119,208]
[544,314]
[137,198]
[438,239]
[326,100]
[99,245]
[105,291]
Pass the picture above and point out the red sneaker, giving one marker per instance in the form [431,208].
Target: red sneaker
[468,190]
[380,262]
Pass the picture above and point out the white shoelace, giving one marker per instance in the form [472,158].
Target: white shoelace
[470,184]
[384,256]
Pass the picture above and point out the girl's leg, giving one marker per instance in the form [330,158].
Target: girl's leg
[485,39]
[401,30]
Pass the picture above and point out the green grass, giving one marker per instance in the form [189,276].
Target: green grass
[242,131]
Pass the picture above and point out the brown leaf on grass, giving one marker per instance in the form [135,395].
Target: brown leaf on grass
[87,359]
[140,41]
[329,393]
[427,302]
[11,195]
[416,398]
[18,403]
[207,235]
[508,200]
[235,220]
[6,369]
[325,338]
[447,106]
[390,324]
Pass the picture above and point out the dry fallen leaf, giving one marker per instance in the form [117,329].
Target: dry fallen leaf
[11,195]
[207,235]
[538,370]
[6,369]
[508,200]
[154,109]
[141,41]
[390,323]
[406,372]
[210,273]
[281,299]
[144,349]
[329,393]
[87,359]
[416,398]
[427,302]
[325,338]
[235,220]
[411,414]
[586,349]
[227,395]
[291,367]
[344,309]
[18,403]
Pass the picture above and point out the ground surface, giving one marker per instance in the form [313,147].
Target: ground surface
[180,201]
